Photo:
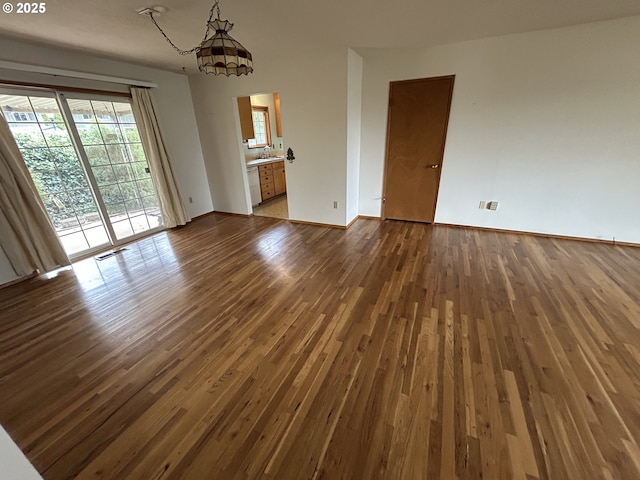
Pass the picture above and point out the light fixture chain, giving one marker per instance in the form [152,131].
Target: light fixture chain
[218,54]
[181,52]
[214,7]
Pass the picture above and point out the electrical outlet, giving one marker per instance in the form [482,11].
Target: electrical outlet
[492,205]
[190,199]
[482,205]
[335,204]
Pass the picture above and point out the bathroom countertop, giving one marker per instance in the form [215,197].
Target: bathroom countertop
[260,161]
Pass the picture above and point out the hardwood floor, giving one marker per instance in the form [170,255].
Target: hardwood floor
[242,348]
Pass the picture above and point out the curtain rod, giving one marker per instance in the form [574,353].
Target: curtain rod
[22,67]
[60,88]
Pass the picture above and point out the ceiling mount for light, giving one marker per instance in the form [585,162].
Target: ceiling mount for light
[219,54]
[154,11]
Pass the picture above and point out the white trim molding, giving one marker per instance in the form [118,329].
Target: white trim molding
[22,67]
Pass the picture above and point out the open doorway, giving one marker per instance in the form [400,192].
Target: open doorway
[262,141]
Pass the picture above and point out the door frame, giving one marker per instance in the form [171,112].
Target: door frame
[238,107]
[444,137]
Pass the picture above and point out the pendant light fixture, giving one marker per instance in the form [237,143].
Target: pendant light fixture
[218,54]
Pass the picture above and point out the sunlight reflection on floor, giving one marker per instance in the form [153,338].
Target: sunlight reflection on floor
[152,255]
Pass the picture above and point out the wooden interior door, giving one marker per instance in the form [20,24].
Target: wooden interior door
[416,134]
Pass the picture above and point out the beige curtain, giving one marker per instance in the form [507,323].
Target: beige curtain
[173,211]
[27,236]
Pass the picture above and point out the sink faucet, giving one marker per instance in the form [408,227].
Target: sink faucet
[267,152]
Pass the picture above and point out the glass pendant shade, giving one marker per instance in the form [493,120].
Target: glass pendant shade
[222,54]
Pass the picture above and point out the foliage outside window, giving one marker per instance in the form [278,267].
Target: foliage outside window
[261,130]
[104,178]
[56,171]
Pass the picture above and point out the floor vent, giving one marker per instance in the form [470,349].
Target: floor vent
[110,254]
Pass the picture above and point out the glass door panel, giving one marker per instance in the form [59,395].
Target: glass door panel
[111,141]
[44,141]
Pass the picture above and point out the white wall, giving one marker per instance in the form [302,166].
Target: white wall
[312,88]
[546,123]
[13,464]
[173,97]
[354,119]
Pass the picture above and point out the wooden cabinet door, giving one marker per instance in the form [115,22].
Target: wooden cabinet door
[279,178]
[276,103]
[246,118]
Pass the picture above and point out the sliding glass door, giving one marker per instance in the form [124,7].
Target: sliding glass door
[45,143]
[110,138]
[86,160]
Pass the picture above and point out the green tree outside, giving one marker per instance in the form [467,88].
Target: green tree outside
[60,179]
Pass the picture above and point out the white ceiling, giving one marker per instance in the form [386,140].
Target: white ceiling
[113,29]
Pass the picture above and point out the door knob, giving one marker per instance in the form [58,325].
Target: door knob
[435,165]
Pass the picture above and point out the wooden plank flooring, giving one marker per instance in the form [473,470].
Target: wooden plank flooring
[242,348]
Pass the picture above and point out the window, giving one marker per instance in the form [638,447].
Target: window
[91,172]
[261,130]
[110,139]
